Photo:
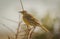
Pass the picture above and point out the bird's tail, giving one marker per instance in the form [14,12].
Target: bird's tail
[44,28]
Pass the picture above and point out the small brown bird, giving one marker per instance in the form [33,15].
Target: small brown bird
[30,20]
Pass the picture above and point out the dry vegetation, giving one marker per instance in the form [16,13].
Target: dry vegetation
[25,33]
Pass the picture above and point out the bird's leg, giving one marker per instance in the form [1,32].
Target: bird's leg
[27,31]
[30,33]
[28,27]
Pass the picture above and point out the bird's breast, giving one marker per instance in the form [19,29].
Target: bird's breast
[26,20]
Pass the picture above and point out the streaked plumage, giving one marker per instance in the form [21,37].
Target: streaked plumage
[30,20]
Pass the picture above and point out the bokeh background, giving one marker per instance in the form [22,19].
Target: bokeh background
[46,11]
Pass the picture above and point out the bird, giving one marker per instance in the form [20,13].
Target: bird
[30,20]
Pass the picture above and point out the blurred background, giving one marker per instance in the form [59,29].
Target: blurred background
[46,11]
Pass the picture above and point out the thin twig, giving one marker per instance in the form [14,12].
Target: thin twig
[30,32]
[18,28]
[19,21]
[8,37]
[21,4]
[17,31]
[27,32]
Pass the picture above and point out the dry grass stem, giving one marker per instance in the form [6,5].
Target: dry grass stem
[17,30]
[8,37]
[30,33]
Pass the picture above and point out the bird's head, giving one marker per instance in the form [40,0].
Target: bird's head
[23,12]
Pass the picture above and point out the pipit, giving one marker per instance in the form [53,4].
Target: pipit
[30,20]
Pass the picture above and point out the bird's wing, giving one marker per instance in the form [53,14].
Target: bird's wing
[29,19]
[32,18]
[36,23]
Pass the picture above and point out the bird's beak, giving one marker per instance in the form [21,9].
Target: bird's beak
[20,11]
